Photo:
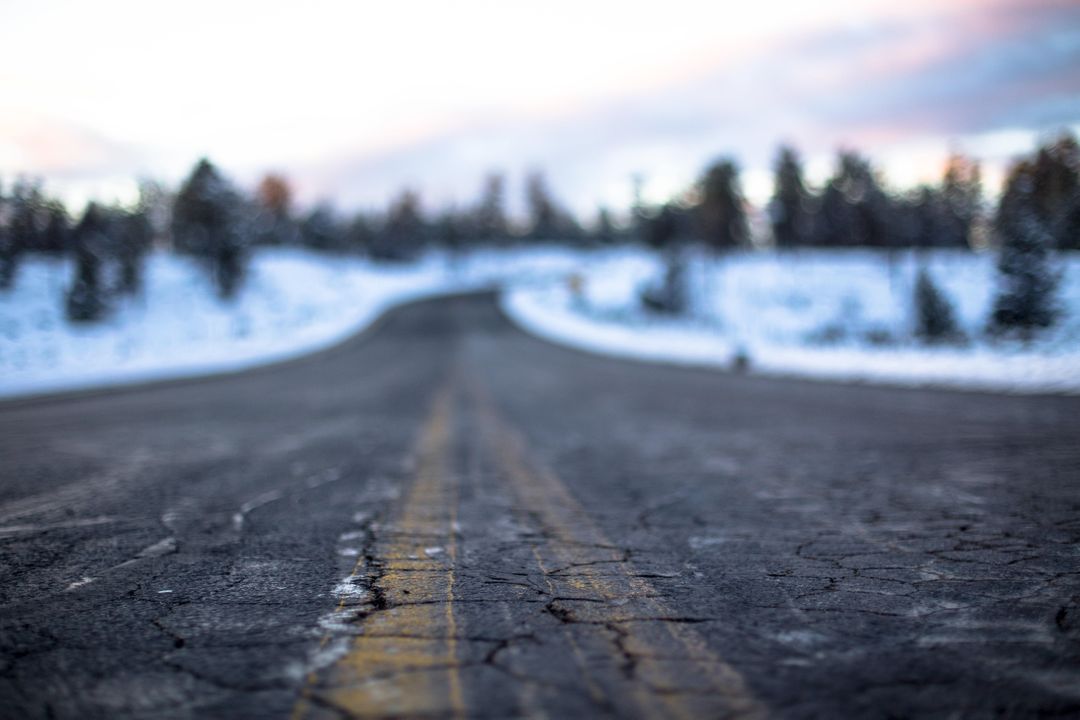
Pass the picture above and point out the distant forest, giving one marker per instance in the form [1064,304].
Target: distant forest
[211,219]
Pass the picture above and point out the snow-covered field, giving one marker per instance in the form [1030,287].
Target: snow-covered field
[293,302]
[845,315]
[842,315]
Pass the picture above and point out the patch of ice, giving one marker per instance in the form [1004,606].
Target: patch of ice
[79,583]
[701,542]
[348,588]
[164,546]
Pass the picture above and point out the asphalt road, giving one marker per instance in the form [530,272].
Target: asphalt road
[446,517]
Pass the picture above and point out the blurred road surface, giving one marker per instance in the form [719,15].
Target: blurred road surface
[446,517]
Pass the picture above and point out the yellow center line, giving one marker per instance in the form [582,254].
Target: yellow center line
[675,668]
[404,662]
[457,700]
[591,686]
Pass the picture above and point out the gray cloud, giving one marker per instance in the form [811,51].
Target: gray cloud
[1010,65]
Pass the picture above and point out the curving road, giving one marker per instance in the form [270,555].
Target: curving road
[446,517]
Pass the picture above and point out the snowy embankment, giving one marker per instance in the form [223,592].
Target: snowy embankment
[293,302]
[844,315]
[839,315]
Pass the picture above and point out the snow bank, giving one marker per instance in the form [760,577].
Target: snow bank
[844,315]
[293,302]
[840,315]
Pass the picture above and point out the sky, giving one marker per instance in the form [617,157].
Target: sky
[353,101]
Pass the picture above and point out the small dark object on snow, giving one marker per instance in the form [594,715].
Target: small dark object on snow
[740,361]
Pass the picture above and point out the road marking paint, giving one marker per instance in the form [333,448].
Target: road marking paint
[591,686]
[674,672]
[405,661]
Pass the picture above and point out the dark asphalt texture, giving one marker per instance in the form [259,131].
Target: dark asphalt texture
[608,539]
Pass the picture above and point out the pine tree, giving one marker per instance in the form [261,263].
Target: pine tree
[1055,192]
[935,320]
[1025,300]
[788,208]
[722,210]
[8,255]
[668,296]
[489,220]
[543,215]
[961,195]
[854,210]
[547,221]
[208,223]
[86,299]
[605,232]
[360,234]
[23,228]
[833,221]
[133,233]
[320,230]
[55,235]
[405,231]
[666,232]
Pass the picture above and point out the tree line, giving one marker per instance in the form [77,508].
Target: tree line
[212,220]
[854,208]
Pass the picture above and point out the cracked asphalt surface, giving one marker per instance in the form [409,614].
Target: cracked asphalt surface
[446,517]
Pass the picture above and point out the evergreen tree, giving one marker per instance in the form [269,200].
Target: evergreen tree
[449,231]
[55,235]
[24,226]
[722,209]
[917,218]
[155,204]
[935,320]
[605,232]
[86,298]
[788,208]
[668,296]
[1055,192]
[664,232]
[853,209]
[833,218]
[1025,299]
[320,230]
[547,221]
[360,234]
[961,196]
[8,255]
[543,219]
[405,231]
[132,233]
[1068,228]
[490,222]
[208,223]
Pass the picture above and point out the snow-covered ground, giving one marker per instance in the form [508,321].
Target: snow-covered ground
[844,315]
[293,302]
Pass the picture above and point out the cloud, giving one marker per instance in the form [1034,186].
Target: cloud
[62,151]
[663,96]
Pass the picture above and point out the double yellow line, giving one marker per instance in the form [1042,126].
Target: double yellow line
[406,661]
[674,672]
